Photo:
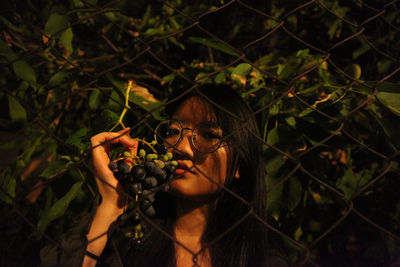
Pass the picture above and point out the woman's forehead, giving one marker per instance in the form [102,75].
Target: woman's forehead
[194,110]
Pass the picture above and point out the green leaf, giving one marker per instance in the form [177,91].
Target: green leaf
[176,42]
[353,70]
[76,138]
[57,78]
[115,102]
[348,183]
[303,53]
[390,100]
[213,44]
[202,77]
[24,71]
[286,138]
[51,147]
[220,78]
[154,31]
[66,40]
[331,99]
[362,49]
[94,99]
[273,136]
[168,79]
[285,71]
[273,165]
[274,197]
[334,29]
[55,167]
[55,23]
[298,233]
[148,105]
[59,207]
[17,111]
[146,16]
[389,95]
[384,66]
[7,184]
[112,117]
[7,52]
[294,193]
[9,145]
[240,72]
[265,60]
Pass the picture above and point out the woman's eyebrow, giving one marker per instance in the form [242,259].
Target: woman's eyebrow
[176,119]
[211,123]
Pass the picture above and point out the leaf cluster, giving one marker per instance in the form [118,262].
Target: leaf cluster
[321,77]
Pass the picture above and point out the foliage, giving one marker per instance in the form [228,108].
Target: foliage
[322,78]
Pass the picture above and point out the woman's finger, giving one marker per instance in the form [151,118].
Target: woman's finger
[113,137]
[101,146]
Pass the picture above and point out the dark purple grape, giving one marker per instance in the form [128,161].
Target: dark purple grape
[170,168]
[135,188]
[112,165]
[144,204]
[150,211]
[124,168]
[122,177]
[161,176]
[149,166]
[164,187]
[150,182]
[138,172]
[157,171]
[148,194]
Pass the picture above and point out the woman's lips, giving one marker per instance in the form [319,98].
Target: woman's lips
[183,168]
[180,171]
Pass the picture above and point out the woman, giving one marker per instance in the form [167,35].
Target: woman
[213,226]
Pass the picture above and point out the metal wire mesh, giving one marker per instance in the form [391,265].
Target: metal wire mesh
[327,211]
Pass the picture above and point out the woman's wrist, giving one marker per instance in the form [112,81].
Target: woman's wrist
[92,255]
[111,208]
[106,214]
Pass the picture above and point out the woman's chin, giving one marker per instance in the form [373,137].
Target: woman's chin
[182,189]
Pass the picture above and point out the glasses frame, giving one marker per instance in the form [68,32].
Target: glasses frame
[192,139]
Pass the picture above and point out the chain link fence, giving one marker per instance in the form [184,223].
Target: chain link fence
[321,76]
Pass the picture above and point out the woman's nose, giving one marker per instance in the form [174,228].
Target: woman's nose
[185,146]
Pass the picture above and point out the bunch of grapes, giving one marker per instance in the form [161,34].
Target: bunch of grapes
[141,176]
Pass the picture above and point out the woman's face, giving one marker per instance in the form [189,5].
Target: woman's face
[193,166]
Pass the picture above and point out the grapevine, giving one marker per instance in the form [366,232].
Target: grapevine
[141,175]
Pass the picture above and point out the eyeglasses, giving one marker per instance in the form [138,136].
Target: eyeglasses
[206,136]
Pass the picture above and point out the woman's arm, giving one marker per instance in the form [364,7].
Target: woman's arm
[113,203]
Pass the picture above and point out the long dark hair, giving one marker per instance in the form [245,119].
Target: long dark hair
[245,244]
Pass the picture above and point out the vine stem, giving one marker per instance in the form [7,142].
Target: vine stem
[126,107]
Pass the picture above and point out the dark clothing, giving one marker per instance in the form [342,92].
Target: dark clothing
[122,251]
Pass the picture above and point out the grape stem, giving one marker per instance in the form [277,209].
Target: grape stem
[126,107]
[147,143]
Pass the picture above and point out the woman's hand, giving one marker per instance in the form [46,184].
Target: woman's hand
[113,202]
[106,181]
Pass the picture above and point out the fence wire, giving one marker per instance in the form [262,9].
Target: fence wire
[332,166]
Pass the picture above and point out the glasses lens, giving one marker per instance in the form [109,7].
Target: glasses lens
[207,137]
[168,132]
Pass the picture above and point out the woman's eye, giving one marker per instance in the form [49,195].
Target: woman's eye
[211,136]
[173,131]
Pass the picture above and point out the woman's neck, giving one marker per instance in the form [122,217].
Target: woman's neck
[189,228]
[191,218]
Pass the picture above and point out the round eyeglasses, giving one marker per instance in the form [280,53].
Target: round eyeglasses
[206,136]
